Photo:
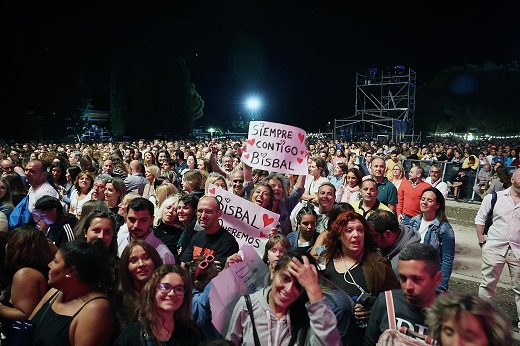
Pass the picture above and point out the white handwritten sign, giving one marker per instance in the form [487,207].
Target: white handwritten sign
[276,147]
[247,222]
[240,278]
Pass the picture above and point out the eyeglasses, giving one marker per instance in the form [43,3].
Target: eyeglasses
[207,212]
[238,181]
[203,265]
[38,216]
[167,288]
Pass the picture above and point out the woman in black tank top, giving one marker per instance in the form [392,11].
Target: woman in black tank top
[76,309]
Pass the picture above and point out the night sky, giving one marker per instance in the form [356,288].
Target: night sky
[298,57]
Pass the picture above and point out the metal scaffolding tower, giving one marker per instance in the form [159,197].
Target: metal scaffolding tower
[385,106]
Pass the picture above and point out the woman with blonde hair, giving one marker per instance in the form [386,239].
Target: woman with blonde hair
[192,182]
[216,179]
[150,173]
[162,192]
[397,175]
[167,226]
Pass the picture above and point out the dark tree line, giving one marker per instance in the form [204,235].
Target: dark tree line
[470,98]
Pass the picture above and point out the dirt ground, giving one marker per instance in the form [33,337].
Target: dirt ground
[466,267]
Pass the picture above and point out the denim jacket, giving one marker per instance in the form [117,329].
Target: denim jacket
[440,235]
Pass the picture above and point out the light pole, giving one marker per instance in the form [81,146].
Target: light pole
[211,130]
[253,104]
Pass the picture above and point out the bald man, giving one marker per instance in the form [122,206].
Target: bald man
[135,182]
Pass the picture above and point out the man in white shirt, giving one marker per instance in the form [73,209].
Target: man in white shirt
[435,180]
[502,243]
[36,172]
[139,220]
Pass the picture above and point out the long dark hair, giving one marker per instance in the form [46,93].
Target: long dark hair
[91,261]
[297,312]
[440,213]
[147,310]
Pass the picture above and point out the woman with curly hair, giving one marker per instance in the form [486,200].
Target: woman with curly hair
[164,311]
[354,265]
[84,184]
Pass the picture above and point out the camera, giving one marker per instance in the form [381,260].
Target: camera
[366,299]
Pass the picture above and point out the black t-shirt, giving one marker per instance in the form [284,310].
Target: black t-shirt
[339,279]
[182,335]
[63,230]
[220,244]
[406,315]
[170,236]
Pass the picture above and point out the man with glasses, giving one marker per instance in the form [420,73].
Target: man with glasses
[214,240]
[52,221]
[389,236]
[435,180]
[100,183]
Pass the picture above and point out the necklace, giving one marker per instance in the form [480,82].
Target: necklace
[353,282]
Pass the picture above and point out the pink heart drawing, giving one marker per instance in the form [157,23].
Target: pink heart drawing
[262,235]
[301,137]
[302,152]
[267,220]
[212,190]
[246,156]
[299,160]
[251,141]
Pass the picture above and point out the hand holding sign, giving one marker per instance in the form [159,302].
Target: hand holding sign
[276,147]
[246,221]
[242,277]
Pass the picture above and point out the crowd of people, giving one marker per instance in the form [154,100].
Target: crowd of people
[125,233]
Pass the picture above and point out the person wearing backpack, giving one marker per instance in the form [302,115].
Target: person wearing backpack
[419,275]
[501,243]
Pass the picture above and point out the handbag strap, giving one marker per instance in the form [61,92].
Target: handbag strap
[250,311]
[390,310]
[49,301]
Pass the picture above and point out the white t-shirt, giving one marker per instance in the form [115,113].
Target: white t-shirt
[44,189]
[424,228]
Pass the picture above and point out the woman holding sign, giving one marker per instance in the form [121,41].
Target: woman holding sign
[283,204]
[292,308]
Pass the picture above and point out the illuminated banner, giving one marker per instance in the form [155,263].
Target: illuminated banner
[240,278]
[247,222]
[276,148]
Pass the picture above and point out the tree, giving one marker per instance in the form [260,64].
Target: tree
[180,103]
[118,112]
[470,98]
